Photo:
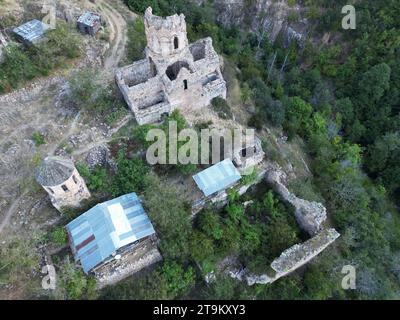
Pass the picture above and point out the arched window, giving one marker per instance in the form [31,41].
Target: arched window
[51,190]
[176,43]
[64,187]
[75,180]
[185,84]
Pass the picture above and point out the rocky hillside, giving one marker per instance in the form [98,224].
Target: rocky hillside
[273,17]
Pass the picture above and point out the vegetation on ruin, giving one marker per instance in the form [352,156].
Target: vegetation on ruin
[344,105]
[341,98]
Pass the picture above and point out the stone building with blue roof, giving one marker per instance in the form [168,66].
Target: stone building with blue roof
[217,178]
[89,23]
[109,230]
[31,32]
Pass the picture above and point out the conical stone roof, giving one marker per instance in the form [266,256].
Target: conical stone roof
[53,171]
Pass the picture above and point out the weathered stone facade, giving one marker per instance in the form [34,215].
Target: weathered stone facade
[249,156]
[310,215]
[3,44]
[63,183]
[174,74]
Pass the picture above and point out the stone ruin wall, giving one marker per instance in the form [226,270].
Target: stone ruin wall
[310,215]
[243,163]
[144,255]
[291,259]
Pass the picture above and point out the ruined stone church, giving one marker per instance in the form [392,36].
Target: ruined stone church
[174,74]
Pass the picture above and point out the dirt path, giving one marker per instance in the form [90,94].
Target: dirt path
[32,114]
[118,31]
[101,142]
[10,211]
[71,131]
[119,26]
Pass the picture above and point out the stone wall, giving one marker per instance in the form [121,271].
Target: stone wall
[310,215]
[138,258]
[249,156]
[290,259]
[76,191]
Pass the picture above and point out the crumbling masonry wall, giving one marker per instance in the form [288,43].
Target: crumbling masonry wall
[290,259]
[310,215]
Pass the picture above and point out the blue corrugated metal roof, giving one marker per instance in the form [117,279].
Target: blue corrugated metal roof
[217,177]
[32,30]
[89,18]
[107,227]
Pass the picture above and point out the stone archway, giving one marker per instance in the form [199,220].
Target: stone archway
[174,69]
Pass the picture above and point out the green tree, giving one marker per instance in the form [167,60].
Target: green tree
[170,215]
[136,40]
[383,161]
[87,92]
[96,179]
[73,284]
[210,223]
[130,175]
[298,113]
[179,280]
[373,84]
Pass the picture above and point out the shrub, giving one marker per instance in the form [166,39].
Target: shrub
[251,177]
[96,179]
[22,64]
[179,281]
[87,92]
[169,213]
[74,284]
[222,108]
[59,236]
[130,175]
[38,138]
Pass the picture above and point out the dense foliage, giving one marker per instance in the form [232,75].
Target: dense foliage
[344,103]
[22,64]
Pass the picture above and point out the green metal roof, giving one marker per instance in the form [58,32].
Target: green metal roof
[217,177]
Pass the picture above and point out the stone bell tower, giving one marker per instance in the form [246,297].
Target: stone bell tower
[59,177]
[167,40]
